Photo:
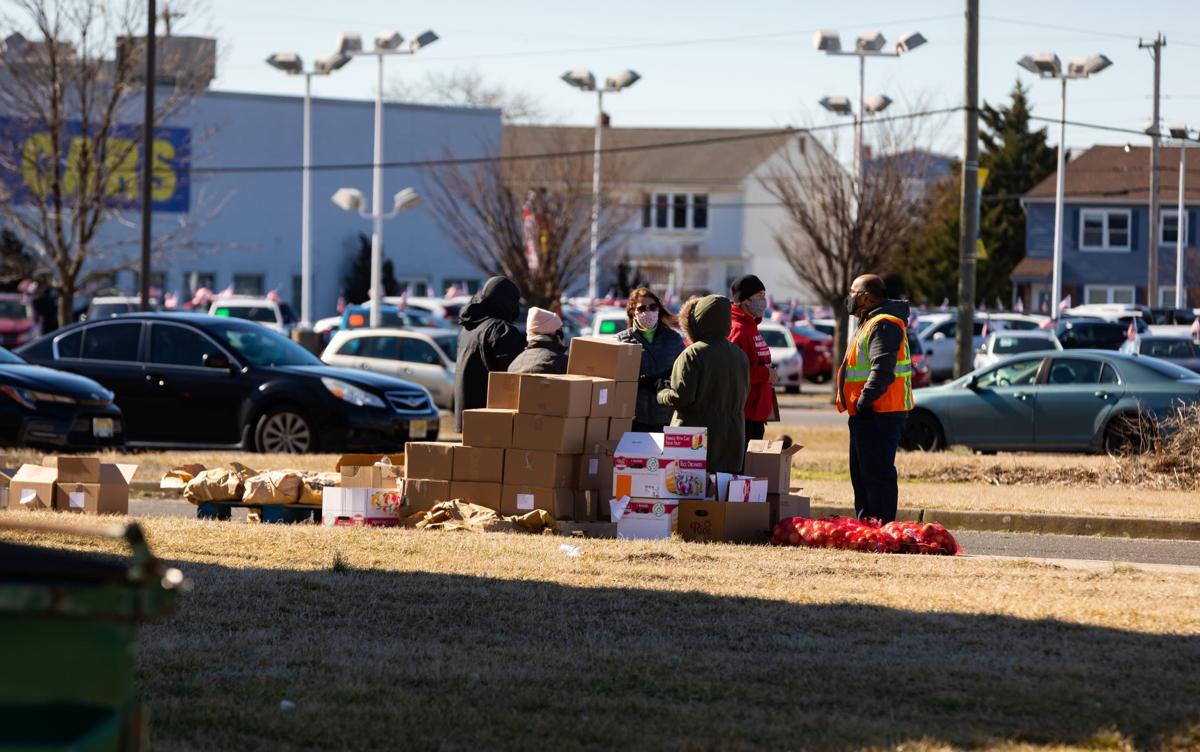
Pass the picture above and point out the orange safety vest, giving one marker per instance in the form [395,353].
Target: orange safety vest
[856,367]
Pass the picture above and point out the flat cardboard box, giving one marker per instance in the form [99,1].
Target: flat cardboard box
[503,390]
[565,396]
[368,507]
[488,427]
[618,427]
[478,464]
[586,505]
[32,487]
[644,519]
[423,493]
[606,358]
[720,521]
[767,458]
[788,505]
[549,433]
[529,467]
[597,430]
[361,470]
[671,464]
[522,499]
[430,460]
[483,494]
[747,489]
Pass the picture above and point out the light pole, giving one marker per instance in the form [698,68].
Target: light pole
[870,106]
[386,43]
[1047,65]
[868,44]
[293,65]
[586,81]
[1182,134]
[352,200]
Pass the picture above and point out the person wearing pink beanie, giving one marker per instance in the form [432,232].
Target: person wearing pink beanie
[545,351]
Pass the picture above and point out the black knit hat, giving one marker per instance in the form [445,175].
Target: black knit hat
[746,287]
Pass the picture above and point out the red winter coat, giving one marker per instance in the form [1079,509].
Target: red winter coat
[744,334]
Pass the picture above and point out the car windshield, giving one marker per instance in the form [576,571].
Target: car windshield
[249,313]
[8,358]
[263,347]
[13,309]
[448,345]
[1171,348]
[774,337]
[1007,345]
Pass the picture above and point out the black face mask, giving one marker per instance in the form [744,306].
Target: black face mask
[851,303]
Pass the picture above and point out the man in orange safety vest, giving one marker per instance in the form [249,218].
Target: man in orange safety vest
[874,387]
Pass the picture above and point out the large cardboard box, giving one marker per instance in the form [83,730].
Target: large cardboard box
[32,487]
[604,392]
[423,493]
[478,464]
[788,505]
[618,427]
[74,484]
[671,464]
[566,396]
[590,475]
[371,470]
[368,507]
[530,467]
[644,519]
[720,521]
[483,494]
[71,468]
[488,427]
[587,503]
[597,430]
[503,390]
[606,358]
[604,452]
[767,458]
[549,433]
[522,499]
[430,460]
[109,495]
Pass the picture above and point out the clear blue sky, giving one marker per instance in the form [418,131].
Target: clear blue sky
[768,77]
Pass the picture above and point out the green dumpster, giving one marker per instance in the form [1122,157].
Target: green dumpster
[68,625]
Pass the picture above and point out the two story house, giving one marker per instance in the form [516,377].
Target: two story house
[1106,230]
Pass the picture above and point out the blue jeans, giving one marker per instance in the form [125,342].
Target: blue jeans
[873,441]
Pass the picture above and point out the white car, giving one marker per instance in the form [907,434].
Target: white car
[271,314]
[785,356]
[1001,345]
[938,339]
[444,308]
[609,322]
[426,356]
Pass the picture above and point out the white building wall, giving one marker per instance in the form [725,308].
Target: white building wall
[763,218]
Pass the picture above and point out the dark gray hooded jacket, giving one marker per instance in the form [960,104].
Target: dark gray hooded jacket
[489,342]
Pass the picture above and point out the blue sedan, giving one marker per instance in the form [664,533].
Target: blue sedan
[1075,400]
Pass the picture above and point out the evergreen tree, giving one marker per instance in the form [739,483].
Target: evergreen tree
[357,282]
[929,267]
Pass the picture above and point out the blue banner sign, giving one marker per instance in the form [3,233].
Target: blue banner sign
[29,154]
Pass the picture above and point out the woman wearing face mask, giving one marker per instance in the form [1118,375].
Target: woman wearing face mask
[650,325]
[749,297]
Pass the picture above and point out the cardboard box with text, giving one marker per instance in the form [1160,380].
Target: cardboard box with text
[721,521]
[671,464]
[644,519]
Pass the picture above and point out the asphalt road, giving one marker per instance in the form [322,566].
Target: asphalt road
[1119,550]
[812,408]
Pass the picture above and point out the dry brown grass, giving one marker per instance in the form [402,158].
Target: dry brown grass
[423,640]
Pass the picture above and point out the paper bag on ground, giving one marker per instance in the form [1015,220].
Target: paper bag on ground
[273,487]
[218,484]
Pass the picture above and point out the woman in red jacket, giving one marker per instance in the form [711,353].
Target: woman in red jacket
[749,297]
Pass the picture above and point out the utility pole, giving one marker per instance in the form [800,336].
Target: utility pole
[1155,48]
[969,217]
[148,153]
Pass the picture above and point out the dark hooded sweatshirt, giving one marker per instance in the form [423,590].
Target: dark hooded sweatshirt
[489,342]
[709,383]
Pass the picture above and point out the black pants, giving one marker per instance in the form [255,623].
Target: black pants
[873,441]
[755,429]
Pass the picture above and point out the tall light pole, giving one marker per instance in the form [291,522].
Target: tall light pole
[293,65]
[868,44]
[386,43]
[870,106]
[586,81]
[1182,134]
[1047,65]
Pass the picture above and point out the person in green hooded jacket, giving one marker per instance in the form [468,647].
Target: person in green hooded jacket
[710,382]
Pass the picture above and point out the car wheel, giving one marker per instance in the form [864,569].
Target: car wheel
[1130,433]
[284,430]
[923,432]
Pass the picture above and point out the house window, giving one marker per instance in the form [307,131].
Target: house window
[660,210]
[193,281]
[1093,294]
[646,211]
[676,211]
[1104,229]
[158,281]
[248,284]
[1168,227]
[1166,297]
[700,211]
[679,211]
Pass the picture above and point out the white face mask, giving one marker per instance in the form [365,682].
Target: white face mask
[646,319]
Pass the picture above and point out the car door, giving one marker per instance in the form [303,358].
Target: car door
[997,410]
[421,363]
[1074,401]
[371,352]
[109,352]
[194,403]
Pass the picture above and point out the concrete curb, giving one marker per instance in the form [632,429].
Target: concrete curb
[1055,524]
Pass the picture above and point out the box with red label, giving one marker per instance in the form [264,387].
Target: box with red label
[672,464]
[371,507]
[644,519]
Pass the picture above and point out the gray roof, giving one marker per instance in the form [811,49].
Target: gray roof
[723,156]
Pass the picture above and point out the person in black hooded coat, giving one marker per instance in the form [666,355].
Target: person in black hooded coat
[488,342]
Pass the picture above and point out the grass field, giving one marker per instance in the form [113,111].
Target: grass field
[392,638]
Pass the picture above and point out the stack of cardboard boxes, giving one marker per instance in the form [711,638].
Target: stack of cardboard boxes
[370,492]
[83,485]
[538,442]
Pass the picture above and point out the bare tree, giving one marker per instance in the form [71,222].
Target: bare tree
[67,86]
[841,225]
[467,87]
[529,219]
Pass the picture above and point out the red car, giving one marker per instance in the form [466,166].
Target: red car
[18,323]
[817,349]
[922,374]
